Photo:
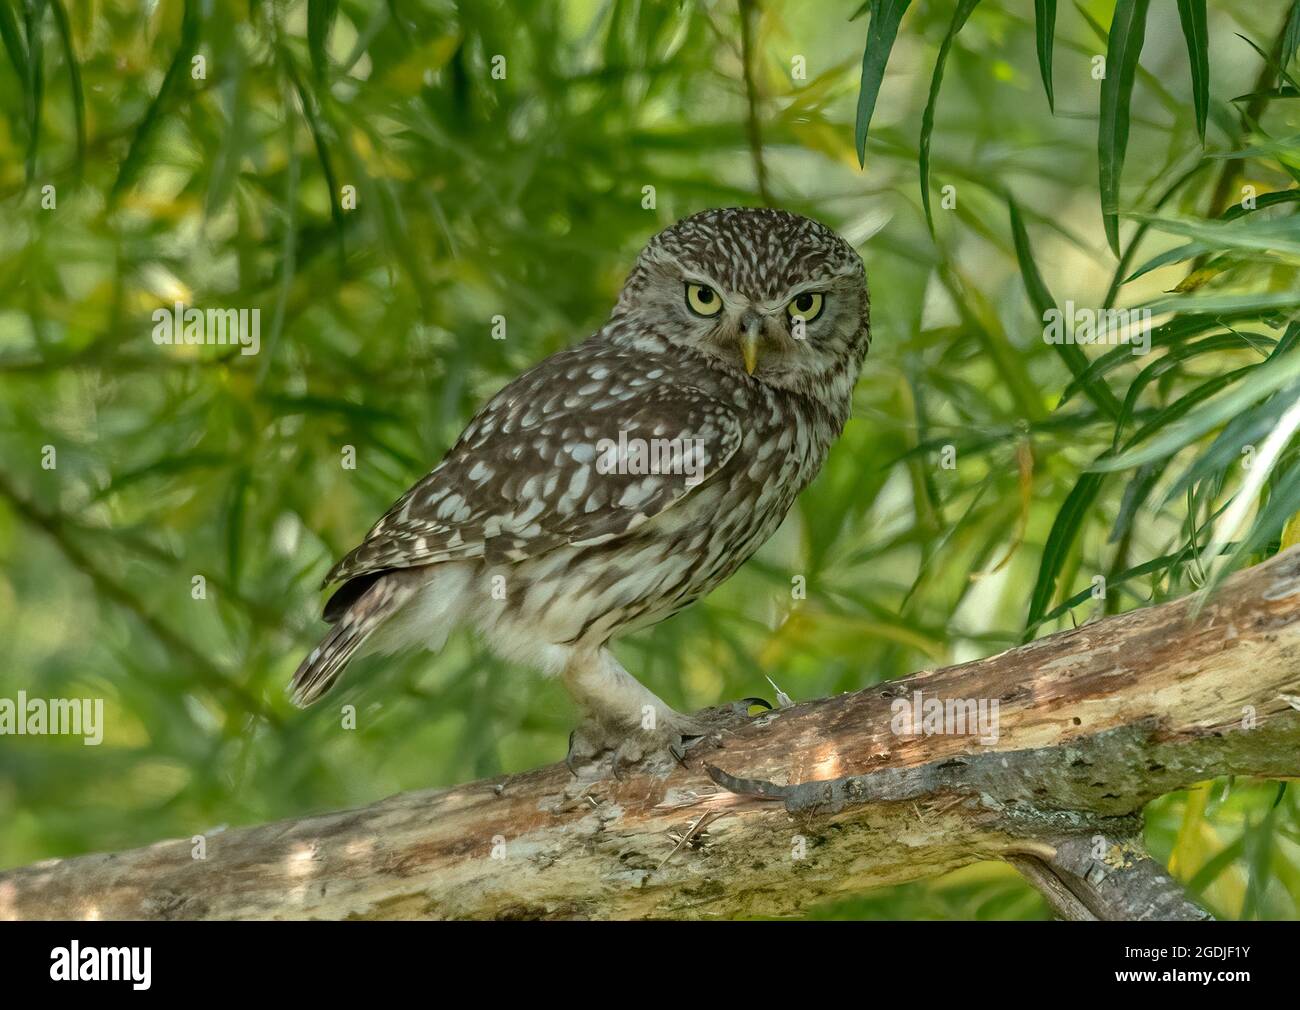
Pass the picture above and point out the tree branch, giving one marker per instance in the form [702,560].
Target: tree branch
[798,805]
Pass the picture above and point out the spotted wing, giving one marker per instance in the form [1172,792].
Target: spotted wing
[556,458]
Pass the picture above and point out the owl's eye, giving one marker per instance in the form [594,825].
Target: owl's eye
[807,306]
[703,300]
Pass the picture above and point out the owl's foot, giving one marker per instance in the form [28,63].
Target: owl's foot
[597,748]
[595,745]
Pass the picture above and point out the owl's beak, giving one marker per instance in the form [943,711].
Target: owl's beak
[749,341]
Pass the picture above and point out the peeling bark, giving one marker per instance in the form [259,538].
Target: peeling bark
[801,804]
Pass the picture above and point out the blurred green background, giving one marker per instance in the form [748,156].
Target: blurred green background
[524,196]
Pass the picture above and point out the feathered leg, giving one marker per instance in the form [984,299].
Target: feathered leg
[621,715]
[625,719]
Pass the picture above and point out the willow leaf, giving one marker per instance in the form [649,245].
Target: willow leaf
[1043,302]
[1192,15]
[1069,520]
[959,16]
[1123,47]
[885,17]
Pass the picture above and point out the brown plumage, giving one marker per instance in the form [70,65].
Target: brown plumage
[543,529]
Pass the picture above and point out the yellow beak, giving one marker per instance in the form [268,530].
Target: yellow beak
[749,345]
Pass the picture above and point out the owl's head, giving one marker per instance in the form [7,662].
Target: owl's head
[770,294]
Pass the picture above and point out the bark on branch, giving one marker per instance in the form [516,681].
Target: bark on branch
[798,805]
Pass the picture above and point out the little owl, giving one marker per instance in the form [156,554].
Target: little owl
[622,479]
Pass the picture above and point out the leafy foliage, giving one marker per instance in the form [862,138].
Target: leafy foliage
[525,197]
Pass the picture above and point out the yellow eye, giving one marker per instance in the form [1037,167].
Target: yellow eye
[703,300]
[807,306]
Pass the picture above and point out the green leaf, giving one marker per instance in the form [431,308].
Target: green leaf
[177,73]
[233,94]
[1267,240]
[1247,428]
[1069,520]
[1259,841]
[981,319]
[1123,47]
[1192,14]
[1265,149]
[320,19]
[32,14]
[1266,200]
[1269,61]
[1255,234]
[1251,301]
[1136,492]
[236,507]
[1178,254]
[959,16]
[1214,867]
[1283,491]
[1161,421]
[1168,334]
[74,79]
[1262,380]
[1290,36]
[1285,91]
[1039,296]
[314,123]
[13,41]
[165,466]
[1045,30]
[1290,338]
[1043,302]
[1125,261]
[1169,361]
[885,18]
[1159,564]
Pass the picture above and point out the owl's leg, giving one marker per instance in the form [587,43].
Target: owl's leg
[622,717]
[628,722]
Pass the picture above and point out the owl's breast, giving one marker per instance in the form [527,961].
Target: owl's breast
[719,526]
[596,591]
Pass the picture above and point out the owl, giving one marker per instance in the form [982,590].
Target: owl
[621,479]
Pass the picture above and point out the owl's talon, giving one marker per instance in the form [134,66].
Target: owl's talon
[568,755]
[586,743]
[681,747]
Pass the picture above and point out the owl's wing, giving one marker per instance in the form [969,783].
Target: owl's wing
[532,473]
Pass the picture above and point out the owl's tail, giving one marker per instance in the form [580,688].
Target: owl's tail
[372,606]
